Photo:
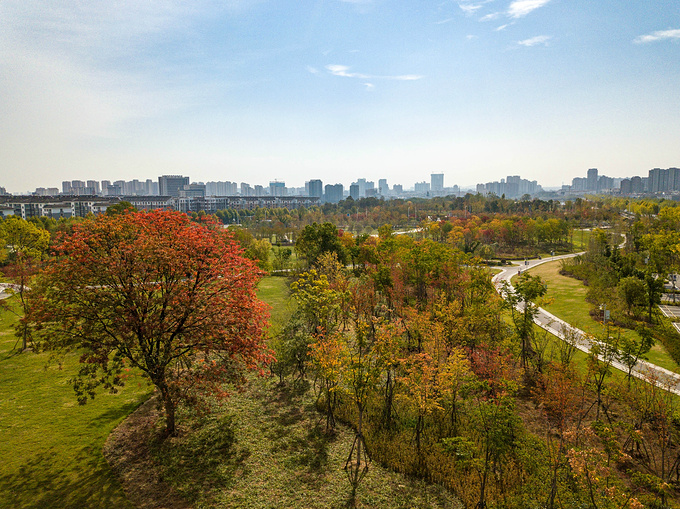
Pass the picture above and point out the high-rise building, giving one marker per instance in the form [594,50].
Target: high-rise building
[66,187]
[354,191]
[277,188]
[333,193]
[592,180]
[637,185]
[383,188]
[437,182]
[94,185]
[169,185]
[192,191]
[422,188]
[315,188]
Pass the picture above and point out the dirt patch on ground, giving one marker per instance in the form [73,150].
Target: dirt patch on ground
[127,451]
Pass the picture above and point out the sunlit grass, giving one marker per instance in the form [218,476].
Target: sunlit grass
[566,300]
[50,447]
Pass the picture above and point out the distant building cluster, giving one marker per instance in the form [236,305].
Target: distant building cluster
[657,182]
[512,187]
[180,186]
[78,197]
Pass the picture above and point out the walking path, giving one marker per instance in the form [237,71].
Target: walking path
[558,327]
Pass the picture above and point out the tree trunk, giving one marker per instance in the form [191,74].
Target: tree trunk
[169,406]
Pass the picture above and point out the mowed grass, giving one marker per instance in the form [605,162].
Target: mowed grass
[566,299]
[50,447]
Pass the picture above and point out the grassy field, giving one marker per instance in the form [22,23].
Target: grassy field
[50,447]
[566,300]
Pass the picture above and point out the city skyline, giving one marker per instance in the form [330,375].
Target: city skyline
[252,90]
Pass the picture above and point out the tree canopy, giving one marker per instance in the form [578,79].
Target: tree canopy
[156,291]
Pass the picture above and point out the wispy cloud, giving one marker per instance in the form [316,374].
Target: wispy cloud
[490,17]
[659,35]
[520,8]
[343,71]
[444,21]
[369,87]
[502,27]
[535,41]
[312,70]
[469,9]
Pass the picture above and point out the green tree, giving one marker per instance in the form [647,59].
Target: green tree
[26,245]
[632,292]
[520,300]
[315,239]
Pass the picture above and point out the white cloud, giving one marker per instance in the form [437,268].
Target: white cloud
[535,41]
[469,9]
[502,27]
[343,71]
[520,8]
[369,87]
[312,70]
[490,17]
[659,35]
[442,22]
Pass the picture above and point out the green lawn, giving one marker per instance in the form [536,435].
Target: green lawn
[566,300]
[50,447]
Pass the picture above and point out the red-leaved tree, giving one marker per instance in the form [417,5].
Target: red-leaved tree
[154,290]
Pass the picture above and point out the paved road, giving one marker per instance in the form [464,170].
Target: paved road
[3,290]
[643,369]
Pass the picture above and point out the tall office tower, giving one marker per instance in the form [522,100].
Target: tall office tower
[169,185]
[277,188]
[383,188]
[315,188]
[437,182]
[362,187]
[334,193]
[592,180]
[354,191]
[66,187]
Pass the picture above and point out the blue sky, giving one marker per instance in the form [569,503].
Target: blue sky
[256,90]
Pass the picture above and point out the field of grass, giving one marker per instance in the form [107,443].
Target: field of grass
[580,240]
[50,447]
[566,300]
[273,453]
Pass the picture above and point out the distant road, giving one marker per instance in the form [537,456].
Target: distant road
[643,369]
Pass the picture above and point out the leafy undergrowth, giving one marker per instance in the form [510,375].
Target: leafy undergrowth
[268,449]
[50,447]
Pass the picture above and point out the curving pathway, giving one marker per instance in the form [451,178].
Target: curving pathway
[643,369]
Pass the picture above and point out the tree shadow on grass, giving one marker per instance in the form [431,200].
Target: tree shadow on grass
[45,481]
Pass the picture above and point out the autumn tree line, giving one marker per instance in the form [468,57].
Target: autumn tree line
[402,337]
[410,344]
[627,274]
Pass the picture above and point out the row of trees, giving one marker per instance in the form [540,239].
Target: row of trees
[412,349]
